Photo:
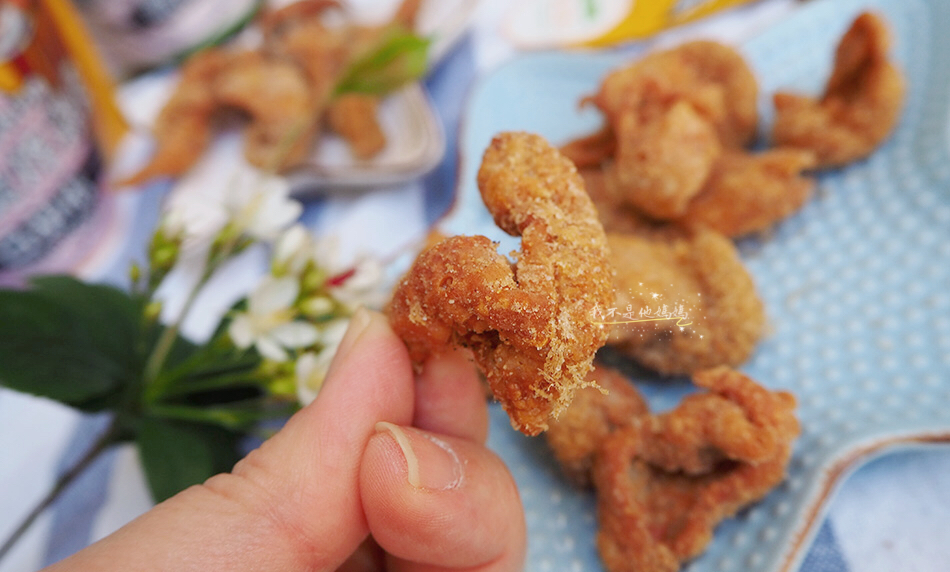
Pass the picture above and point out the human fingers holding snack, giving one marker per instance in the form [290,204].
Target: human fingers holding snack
[345,467]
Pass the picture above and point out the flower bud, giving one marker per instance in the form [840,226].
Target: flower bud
[153,310]
[317,307]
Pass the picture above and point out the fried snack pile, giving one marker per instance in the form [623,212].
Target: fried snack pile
[665,481]
[285,90]
[529,324]
[678,122]
[670,176]
[861,104]
[700,271]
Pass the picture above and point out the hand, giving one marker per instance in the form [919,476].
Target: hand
[378,453]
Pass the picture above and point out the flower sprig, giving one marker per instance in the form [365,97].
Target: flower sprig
[185,404]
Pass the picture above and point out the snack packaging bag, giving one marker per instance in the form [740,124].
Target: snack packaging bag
[541,24]
[59,126]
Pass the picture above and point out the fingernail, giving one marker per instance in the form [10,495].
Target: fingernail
[360,322]
[431,464]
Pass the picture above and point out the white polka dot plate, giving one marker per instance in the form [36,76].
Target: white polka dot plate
[857,284]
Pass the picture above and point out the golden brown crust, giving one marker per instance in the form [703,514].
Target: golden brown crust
[530,323]
[751,192]
[275,94]
[594,413]
[860,107]
[353,117]
[660,165]
[699,271]
[183,128]
[653,519]
[713,78]
[591,150]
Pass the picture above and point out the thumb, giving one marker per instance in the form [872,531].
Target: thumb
[293,504]
[435,502]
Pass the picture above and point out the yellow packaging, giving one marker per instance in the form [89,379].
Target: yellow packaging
[533,24]
[649,17]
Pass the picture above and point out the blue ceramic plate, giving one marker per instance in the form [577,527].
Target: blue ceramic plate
[857,284]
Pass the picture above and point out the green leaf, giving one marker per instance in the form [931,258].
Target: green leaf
[69,341]
[177,455]
[235,416]
[400,58]
[109,316]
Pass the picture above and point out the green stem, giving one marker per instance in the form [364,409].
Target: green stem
[213,381]
[156,360]
[62,483]
[160,353]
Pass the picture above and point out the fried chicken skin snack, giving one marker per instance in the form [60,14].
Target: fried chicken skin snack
[670,114]
[713,78]
[595,413]
[353,117]
[861,105]
[529,324]
[736,419]
[662,164]
[698,271]
[275,95]
[653,519]
[183,128]
[590,151]
[749,193]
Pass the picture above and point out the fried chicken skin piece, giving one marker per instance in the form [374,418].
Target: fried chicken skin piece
[529,324]
[615,216]
[276,96]
[861,105]
[671,114]
[591,150]
[713,78]
[698,275]
[749,193]
[595,413]
[736,419]
[298,34]
[353,117]
[661,165]
[183,129]
[653,519]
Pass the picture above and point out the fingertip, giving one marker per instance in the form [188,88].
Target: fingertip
[440,501]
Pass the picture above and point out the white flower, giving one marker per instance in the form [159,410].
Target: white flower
[361,285]
[261,207]
[293,251]
[311,368]
[269,322]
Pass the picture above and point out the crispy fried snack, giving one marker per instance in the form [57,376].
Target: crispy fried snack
[285,87]
[750,192]
[861,104]
[670,114]
[298,34]
[576,435]
[713,78]
[591,150]
[275,94]
[353,117]
[530,323]
[699,272]
[183,129]
[659,166]
[654,515]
